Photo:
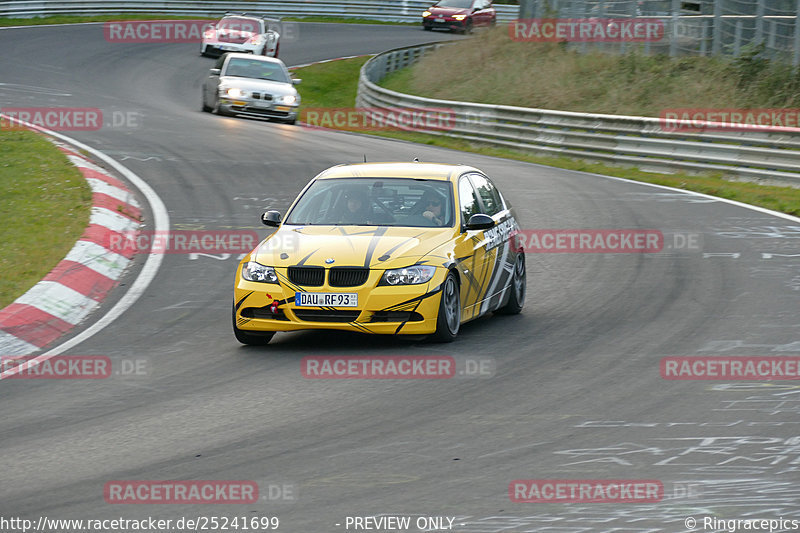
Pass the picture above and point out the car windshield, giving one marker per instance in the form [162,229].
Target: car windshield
[255,69]
[238,24]
[461,4]
[375,202]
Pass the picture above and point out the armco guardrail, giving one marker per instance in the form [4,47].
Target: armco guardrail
[639,141]
[384,10]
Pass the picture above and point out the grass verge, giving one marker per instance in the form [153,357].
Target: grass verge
[45,209]
[335,84]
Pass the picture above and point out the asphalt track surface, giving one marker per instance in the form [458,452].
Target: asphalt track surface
[576,393]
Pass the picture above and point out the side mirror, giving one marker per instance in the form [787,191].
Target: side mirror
[296,81]
[214,71]
[480,221]
[271,218]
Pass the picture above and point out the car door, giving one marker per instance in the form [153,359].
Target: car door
[211,85]
[500,255]
[470,252]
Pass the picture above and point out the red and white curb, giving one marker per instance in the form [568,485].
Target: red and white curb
[77,285]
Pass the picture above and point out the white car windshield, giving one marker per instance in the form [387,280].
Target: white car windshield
[255,69]
[239,24]
[375,202]
[462,4]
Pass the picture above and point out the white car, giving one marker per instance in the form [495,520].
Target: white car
[249,34]
[243,84]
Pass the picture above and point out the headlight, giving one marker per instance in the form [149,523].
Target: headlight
[253,271]
[288,99]
[459,17]
[234,92]
[408,276]
[426,14]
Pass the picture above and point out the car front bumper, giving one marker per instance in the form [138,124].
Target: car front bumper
[447,24]
[258,108]
[388,310]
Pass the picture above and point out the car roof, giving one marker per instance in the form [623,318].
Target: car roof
[433,171]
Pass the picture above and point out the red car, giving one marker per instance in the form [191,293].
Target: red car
[459,15]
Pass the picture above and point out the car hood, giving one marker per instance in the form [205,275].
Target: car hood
[374,247]
[249,84]
[232,36]
[450,11]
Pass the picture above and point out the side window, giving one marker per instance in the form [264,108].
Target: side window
[490,197]
[467,199]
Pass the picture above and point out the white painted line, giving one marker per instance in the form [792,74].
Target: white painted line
[701,195]
[58,300]
[11,345]
[114,221]
[100,259]
[101,187]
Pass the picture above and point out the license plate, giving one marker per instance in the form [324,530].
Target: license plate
[261,104]
[325,299]
[439,20]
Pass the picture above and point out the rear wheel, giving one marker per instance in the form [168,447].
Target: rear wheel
[251,338]
[516,300]
[449,319]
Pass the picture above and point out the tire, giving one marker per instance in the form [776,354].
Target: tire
[448,321]
[290,122]
[217,110]
[467,27]
[426,28]
[516,300]
[205,108]
[260,338]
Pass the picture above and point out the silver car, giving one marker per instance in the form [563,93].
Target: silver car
[243,84]
[242,33]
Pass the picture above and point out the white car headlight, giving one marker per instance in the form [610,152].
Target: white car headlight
[288,99]
[413,275]
[459,17]
[235,92]
[253,271]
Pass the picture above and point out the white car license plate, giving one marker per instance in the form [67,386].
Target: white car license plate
[439,20]
[325,299]
[261,104]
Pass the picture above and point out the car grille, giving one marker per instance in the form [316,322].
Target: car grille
[347,276]
[265,96]
[313,276]
[323,315]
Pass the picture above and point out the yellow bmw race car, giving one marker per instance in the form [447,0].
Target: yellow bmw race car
[383,248]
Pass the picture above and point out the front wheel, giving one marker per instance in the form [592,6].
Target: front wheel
[516,300]
[255,338]
[449,319]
